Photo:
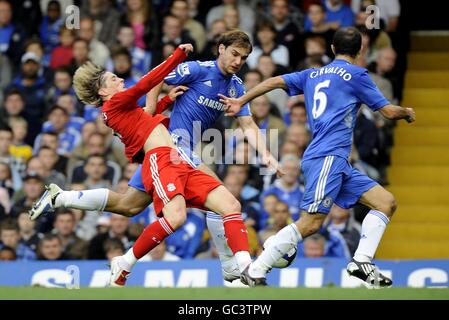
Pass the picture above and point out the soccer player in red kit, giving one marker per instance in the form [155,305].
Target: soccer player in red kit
[171,181]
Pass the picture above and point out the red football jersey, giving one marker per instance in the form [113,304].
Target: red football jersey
[122,114]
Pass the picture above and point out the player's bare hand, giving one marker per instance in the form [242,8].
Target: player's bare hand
[273,165]
[176,92]
[186,47]
[411,115]
[232,105]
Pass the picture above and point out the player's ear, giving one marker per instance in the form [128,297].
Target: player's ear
[221,49]
[333,49]
[102,92]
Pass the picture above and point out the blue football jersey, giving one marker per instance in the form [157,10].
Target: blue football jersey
[333,95]
[199,107]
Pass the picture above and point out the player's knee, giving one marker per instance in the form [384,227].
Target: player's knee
[177,217]
[389,204]
[234,206]
[309,228]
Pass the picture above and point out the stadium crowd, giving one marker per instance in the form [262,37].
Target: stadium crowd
[48,136]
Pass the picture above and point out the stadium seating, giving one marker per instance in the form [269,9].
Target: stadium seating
[419,175]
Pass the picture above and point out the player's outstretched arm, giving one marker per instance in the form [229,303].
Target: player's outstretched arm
[233,105]
[393,112]
[157,75]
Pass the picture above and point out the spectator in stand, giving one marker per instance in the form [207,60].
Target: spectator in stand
[247,13]
[266,38]
[118,230]
[318,26]
[241,171]
[210,51]
[180,9]
[296,115]
[36,165]
[389,11]
[160,253]
[141,58]
[33,187]
[320,246]
[95,146]
[13,105]
[106,18]
[50,248]
[15,165]
[32,88]
[172,33]
[6,183]
[141,16]
[34,45]
[185,241]
[80,54]
[27,230]
[62,84]
[267,68]
[12,35]
[49,28]
[113,248]
[287,188]
[7,254]
[62,55]
[50,139]
[299,135]
[338,14]
[342,221]
[10,237]
[271,126]
[64,227]
[95,169]
[68,102]
[287,31]
[58,120]
[278,219]
[98,52]
[384,67]
[50,158]
[289,147]
[5,73]
[315,48]
[19,149]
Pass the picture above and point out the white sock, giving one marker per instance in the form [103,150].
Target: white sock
[243,259]
[216,229]
[283,242]
[373,227]
[128,260]
[95,199]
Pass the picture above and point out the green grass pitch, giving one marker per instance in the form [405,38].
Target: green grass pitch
[269,293]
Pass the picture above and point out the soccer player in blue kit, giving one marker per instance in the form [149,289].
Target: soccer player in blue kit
[199,104]
[333,95]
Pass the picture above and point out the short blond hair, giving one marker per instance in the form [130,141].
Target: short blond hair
[87,81]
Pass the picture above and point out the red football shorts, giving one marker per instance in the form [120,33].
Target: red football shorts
[165,174]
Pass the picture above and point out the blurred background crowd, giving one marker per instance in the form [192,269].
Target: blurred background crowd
[48,136]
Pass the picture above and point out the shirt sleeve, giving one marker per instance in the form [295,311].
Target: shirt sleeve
[129,97]
[368,93]
[295,82]
[184,73]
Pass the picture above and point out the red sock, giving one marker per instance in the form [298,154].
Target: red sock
[154,234]
[235,232]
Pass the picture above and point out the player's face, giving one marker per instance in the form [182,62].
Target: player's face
[232,58]
[112,84]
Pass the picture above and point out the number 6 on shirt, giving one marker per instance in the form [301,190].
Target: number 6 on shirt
[321,97]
